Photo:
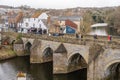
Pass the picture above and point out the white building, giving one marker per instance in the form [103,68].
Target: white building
[99,29]
[40,22]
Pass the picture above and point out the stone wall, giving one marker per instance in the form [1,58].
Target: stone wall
[19,49]
[60,60]
[98,69]
[99,54]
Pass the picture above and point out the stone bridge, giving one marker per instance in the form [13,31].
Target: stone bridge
[70,54]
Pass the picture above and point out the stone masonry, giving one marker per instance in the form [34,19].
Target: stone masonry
[97,54]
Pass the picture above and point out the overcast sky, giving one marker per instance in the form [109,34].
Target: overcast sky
[60,4]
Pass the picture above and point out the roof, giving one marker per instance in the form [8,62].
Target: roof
[99,25]
[43,16]
[36,15]
[71,24]
[72,18]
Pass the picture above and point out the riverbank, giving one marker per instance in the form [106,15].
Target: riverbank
[7,53]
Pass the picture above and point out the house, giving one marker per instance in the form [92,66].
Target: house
[54,24]
[73,19]
[99,29]
[38,23]
[71,27]
[61,24]
[14,19]
[3,28]
[43,16]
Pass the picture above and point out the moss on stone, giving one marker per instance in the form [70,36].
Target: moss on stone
[19,41]
[6,53]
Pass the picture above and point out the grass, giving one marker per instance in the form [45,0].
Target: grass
[6,53]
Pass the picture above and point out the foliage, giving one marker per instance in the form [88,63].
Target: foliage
[113,19]
[101,15]
[86,23]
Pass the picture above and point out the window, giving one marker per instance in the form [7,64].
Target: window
[40,25]
[33,24]
[27,24]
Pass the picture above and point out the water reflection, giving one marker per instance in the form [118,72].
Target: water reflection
[9,69]
[77,75]
[43,72]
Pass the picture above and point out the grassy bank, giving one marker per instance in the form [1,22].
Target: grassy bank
[6,53]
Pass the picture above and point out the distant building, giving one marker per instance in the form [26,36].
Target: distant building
[37,23]
[54,25]
[71,27]
[99,29]
[3,28]
[73,19]
[14,19]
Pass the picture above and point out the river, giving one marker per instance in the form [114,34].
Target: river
[9,69]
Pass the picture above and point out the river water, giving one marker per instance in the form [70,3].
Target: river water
[9,69]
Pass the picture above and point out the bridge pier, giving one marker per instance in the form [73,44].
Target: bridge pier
[60,64]
[99,69]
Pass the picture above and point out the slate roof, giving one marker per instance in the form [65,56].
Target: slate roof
[72,18]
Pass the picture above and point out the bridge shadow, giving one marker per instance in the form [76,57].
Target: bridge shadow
[76,62]
[48,55]
[27,48]
[76,75]
[113,72]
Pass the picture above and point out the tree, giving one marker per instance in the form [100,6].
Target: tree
[113,19]
[86,23]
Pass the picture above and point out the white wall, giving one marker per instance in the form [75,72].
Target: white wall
[98,31]
[33,22]
[36,23]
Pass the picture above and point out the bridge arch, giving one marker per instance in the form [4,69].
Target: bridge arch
[110,63]
[26,40]
[27,47]
[47,54]
[112,70]
[77,52]
[76,61]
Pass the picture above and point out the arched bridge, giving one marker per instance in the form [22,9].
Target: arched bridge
[70,54]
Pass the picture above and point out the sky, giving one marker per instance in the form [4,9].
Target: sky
[61,4]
